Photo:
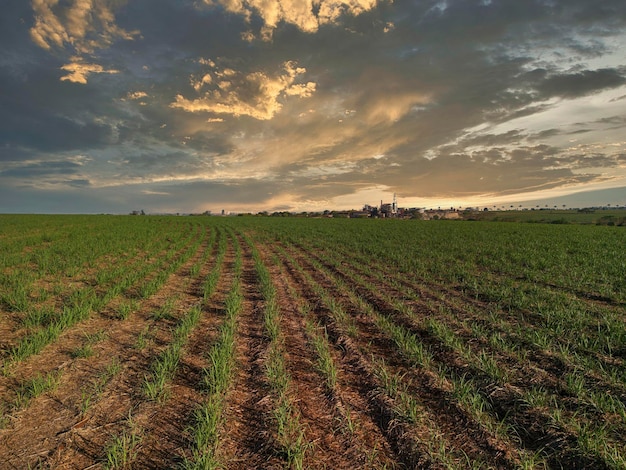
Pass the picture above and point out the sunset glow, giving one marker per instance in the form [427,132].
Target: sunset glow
[250,105]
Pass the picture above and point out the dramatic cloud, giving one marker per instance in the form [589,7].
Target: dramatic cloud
[307,15]
[581,83]
[255,94]
[85,25]
[137,95]
[116,105]
[79,71]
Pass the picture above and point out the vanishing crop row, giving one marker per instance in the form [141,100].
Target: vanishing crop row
[44,323]
[597,436]
[477,345]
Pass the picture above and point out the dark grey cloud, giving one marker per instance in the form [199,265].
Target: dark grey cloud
[582,83]
[485,90]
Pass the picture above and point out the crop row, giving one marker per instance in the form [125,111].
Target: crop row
[228,342]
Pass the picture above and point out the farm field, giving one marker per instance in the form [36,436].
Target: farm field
[606,216]
[259,342]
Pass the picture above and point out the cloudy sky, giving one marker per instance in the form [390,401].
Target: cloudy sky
[249,105]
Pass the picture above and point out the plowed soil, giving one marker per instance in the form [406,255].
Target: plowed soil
[361,422]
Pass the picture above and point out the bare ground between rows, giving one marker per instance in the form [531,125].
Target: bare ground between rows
[541,368]
[461,431]
[166,442]
[11,327]
[52,428]
[388,441]
[324,414]
[247,438]
[534,429]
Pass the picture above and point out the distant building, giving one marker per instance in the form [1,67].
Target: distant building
[439,214]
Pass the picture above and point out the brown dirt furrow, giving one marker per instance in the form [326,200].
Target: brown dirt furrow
[323,415]
[469,308]
[539,368]
[9,324]
[166,442]
[381,439]
[247,438]
[424,385]
[53,428]
[532,427]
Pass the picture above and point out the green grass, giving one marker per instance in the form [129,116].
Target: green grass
[325,362]
[479,306]
[217,377]
[121,450]
[86,350]
[166,364]
[126,309]
[35,387]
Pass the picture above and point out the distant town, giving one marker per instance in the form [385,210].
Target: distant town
[391,210]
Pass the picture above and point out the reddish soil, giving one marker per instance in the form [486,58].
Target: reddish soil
[357,424]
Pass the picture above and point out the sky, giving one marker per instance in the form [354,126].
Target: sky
[304,105]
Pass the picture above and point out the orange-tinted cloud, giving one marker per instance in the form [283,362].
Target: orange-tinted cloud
[85,25]
[78,71]
[307,15]
[256,94]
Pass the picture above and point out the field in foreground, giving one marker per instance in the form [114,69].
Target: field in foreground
[207,342]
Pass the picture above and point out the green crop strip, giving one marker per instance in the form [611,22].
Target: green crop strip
[79,305]
[121,449]
[290,436]
[164,367]
[216,378]
[36,386]
[210,283]
[418,355]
